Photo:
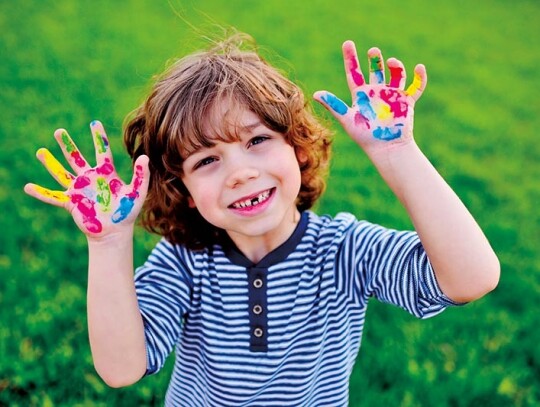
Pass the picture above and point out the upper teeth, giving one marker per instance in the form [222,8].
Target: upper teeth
[263,196]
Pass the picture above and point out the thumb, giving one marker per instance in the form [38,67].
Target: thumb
[141,177]
[332,103]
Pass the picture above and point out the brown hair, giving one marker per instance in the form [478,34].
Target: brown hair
[169,124]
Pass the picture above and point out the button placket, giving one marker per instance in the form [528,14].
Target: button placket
[257,308]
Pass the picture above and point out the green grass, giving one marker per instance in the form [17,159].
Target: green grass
[66,63]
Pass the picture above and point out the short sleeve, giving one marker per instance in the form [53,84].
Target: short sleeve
[163,285]
[391,266]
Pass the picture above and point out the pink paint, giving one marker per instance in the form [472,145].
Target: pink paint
[354,68]
[77,158]
[86,208]
[116,185]
[137,182]
[396,75]
[361,120]
[394,99]
[106,169]
[81,182]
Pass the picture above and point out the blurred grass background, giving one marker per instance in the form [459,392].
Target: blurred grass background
[65,63]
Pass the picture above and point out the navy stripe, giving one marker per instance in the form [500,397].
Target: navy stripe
[316,289]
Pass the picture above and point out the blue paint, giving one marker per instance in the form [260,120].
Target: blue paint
[365,107]
[335,104]
[379,76]
[126,205]
[387,133]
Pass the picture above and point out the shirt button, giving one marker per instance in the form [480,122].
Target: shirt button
[257,283]
[258,332]
[257,309]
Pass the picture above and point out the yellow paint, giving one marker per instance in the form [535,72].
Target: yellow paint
[383,111]
[415,85]
[53,165]
[57,196]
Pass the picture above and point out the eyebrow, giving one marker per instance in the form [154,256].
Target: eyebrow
[251,126]
[242,128]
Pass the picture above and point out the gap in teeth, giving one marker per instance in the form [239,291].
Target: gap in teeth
[263,196]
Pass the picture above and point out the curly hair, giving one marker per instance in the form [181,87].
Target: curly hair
[170,123]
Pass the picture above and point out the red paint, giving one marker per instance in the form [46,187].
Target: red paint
[396,75]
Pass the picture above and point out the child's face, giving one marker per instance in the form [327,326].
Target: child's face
[248,186]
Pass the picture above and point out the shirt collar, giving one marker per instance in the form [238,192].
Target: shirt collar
[277,255]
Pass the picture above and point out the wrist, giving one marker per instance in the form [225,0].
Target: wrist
[392,153]
[113,238]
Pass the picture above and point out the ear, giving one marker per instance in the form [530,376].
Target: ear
[301,156]
[191,202]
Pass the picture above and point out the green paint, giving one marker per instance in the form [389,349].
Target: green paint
[68,143]
[103,193]
[375,63]
[99,143]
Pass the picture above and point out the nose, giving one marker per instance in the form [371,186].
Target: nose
[240,172]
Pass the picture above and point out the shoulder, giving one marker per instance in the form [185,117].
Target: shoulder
[172,258]
[340,225]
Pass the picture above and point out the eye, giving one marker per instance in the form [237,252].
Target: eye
[204,162]
[258,140]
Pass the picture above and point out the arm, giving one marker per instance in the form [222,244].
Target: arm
[105,209]
[381,122]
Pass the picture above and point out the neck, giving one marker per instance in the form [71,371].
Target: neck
[255,248]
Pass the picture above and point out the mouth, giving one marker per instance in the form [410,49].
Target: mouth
[253,201]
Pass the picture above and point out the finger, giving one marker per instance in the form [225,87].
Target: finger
[332,103]
[57,170]
[376,66]
[397,73]
[352,66]
[71,152]
[56,198]
[101,144]
[136,190]
[419,83]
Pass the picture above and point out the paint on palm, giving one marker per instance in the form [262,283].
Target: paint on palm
[382,109]
[94,192]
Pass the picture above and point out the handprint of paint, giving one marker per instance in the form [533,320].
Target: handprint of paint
[95,196]
[382,110]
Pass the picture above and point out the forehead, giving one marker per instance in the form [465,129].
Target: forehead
[225,121]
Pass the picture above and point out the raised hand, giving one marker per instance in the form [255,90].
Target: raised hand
[99,201]
[380,112]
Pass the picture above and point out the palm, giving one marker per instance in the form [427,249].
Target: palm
[380,111]
[97,198]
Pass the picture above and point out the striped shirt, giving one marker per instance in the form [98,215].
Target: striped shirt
[285,331]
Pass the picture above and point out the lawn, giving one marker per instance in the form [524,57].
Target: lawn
[66,63]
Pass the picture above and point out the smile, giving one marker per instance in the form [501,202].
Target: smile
[256,200]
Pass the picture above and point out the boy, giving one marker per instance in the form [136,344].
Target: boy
[263,300]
